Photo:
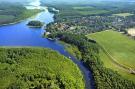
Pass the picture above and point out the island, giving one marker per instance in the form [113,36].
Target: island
[35,24]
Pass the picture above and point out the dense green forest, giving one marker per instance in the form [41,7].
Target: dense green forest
[10,13]
[37,68]
[35,23]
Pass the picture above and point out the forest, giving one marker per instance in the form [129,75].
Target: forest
[35,23]
[37,68]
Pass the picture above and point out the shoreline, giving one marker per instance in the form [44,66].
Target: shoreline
[34,26]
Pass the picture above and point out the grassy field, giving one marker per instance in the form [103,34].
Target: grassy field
[37,68]
[119,47]
[123,14]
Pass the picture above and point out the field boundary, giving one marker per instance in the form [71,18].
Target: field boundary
[124,67]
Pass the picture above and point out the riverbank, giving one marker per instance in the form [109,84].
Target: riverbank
[72,49]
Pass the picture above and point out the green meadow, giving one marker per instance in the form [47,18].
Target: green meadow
[120,47]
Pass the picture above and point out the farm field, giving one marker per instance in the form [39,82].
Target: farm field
[32,68]
[109,64]
[119,47]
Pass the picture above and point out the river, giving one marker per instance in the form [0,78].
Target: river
[21,35]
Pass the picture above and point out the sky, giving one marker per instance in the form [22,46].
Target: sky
[37,1]
[30,2]
[18,0]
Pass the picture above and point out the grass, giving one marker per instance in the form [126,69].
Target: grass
[123,14]
[37,67]
[109,64]
[120,47]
